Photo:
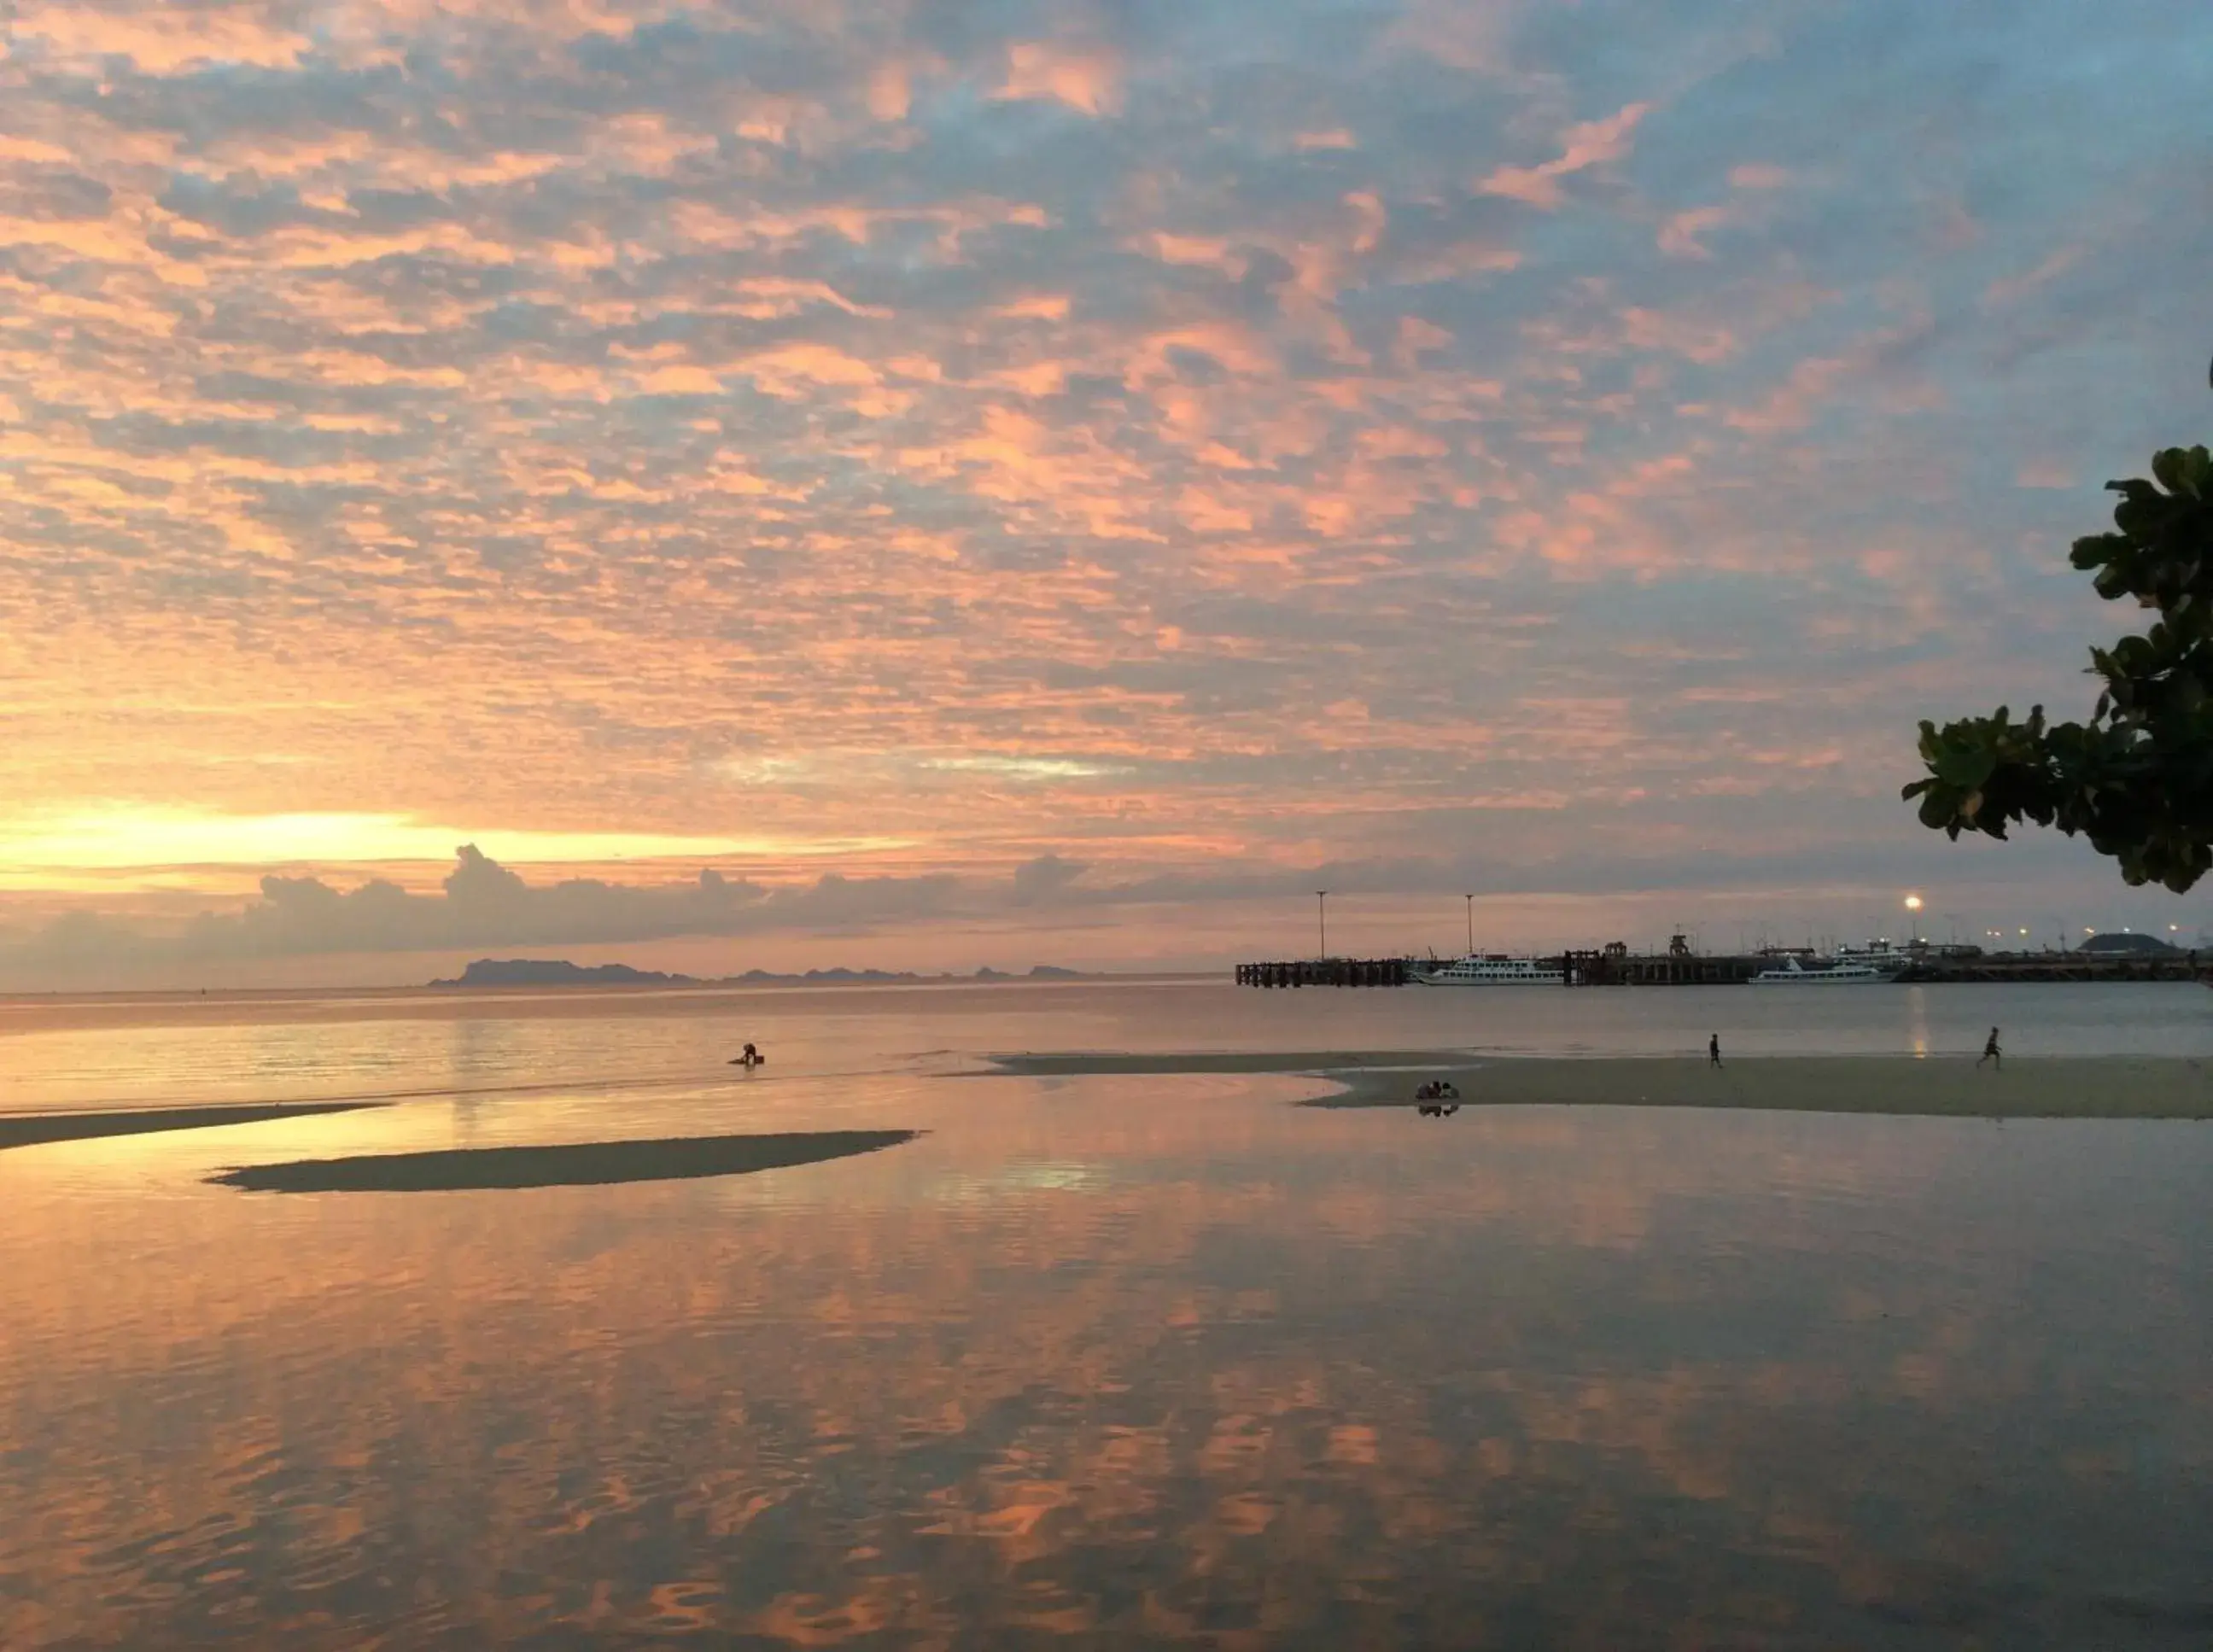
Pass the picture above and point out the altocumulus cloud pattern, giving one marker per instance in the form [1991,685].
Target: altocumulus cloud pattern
[1203,441]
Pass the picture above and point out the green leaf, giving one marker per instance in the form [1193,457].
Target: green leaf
[1966,767]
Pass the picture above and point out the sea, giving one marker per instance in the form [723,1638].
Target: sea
[1098,1361]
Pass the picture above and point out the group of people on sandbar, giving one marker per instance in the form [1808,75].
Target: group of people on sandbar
[1438,1099]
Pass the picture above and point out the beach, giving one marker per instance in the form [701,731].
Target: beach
[2042,1087]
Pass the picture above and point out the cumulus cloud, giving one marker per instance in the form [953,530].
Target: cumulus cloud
[481,904]
[1045,879]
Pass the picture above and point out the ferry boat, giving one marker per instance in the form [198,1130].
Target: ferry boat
[1793,973]
[1492,969]
[1883,954]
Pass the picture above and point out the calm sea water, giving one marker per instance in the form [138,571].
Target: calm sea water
[1098,1361]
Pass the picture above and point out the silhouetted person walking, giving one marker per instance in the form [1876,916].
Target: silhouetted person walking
[1714,1050]
[1990,1051]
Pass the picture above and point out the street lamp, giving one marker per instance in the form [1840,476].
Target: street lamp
[1913,906]
[1471,924]
[1321,915]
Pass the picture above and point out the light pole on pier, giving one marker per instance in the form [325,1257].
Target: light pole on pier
[1321,917]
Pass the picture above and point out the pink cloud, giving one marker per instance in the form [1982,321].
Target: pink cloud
[1084,78]
[1587,145]
[2012,289]
[1679,236]
[1757,174]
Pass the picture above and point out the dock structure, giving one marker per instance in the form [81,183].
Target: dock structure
[1616,966]
[1620,967]
[1607,968]
[2058,966]
[1327,971]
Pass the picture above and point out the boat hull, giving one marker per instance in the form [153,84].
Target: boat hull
[1492,969]
[1821,977]
[1495,980]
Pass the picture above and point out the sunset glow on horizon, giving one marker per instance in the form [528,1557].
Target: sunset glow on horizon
[787,469]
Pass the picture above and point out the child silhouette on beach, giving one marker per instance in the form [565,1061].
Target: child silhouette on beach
[1714,1050]
[1990,1051]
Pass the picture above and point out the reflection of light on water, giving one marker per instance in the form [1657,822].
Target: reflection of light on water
[1917,1021]
[1046,1176]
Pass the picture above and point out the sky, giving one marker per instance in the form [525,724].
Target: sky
[786,483]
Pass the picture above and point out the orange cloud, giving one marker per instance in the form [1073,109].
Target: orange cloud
[162,41]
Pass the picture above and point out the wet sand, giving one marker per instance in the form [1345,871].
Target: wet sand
[30,1129]
[2026,1087]
[581,1164]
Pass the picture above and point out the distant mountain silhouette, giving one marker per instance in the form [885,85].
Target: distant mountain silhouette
[559,971]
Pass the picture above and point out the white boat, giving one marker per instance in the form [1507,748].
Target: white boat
[1491,969]
[1793,973]
[1883,954]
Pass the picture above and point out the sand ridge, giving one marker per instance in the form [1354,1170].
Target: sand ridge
[2036,1087]
[574,1164]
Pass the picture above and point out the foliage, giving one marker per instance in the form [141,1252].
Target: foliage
[2137,779]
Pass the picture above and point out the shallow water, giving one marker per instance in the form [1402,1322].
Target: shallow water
[1094,1361]
[88,1052]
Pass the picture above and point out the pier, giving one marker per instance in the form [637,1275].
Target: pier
[1616,966]
[1609,966]
[2065,966]
[1604,967]
[1328,972]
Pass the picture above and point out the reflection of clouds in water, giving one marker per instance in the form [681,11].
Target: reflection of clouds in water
[1216,1372]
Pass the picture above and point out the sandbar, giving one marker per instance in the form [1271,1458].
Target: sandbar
[2035,1087]
[1077,1063]
[32,1129]
[579,1164]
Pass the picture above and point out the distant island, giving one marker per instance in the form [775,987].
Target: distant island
[559,971]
